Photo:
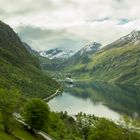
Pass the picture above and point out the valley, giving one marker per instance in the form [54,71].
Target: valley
[116,63]
[99,86]
[113,101]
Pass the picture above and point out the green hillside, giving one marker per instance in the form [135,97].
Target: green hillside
[116,63]
[119,65]
[19,132]
[20,72]
[19,68]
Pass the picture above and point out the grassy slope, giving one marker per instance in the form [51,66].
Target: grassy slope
[19,132]
[115,65]
[119,65]
[19,68]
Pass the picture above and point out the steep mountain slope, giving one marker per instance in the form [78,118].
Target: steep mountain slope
[118,62]
[89,49]
[50,60]
[30,50]
[46,64]
[82,57]
[19,68]
[133,37]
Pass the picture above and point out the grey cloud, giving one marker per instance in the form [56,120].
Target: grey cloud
[2,11]
[23,8]
[124,21]
[37,33]
[99,20]
[18,7]
[53,23]
[119,0]
[40,39]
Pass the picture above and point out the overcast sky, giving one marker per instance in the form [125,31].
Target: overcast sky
[70,24]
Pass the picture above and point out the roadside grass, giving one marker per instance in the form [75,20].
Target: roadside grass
[19,133]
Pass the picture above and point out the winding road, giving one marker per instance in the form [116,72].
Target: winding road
[41,133]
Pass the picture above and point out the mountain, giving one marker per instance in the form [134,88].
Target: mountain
[90,48]
[118,62]
[51,60]
[56,53]
[30,50]
[133,38]
[20,69]
[82,56]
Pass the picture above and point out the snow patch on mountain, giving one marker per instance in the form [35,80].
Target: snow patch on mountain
[57,53]
[134,36]
[91,47]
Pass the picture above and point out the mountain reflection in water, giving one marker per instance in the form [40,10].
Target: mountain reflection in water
[100,99]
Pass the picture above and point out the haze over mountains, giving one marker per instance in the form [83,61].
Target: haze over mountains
[91,47]
[118,62]
[70,23]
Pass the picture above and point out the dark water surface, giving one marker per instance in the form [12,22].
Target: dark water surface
[100,99]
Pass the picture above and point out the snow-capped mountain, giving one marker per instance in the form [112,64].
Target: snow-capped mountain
[90,48]
[133,37]
[83,55]
[57,53]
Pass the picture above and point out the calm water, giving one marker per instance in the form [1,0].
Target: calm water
[100,99]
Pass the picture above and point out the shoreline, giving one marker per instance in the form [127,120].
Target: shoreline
[53,95]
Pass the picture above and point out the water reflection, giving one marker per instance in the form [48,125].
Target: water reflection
[100,99]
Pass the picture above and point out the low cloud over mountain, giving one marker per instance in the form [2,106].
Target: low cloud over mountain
[70,22]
